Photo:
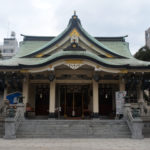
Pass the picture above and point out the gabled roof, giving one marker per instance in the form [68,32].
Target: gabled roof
[32,46]
[74,23]
[29,46]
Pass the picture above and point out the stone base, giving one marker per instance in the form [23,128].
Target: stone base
[137,137]
[137,128]
[95,115]
[9,137]
[51,116]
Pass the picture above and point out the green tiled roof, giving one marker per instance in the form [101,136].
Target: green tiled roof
[117,47]
[39,61]
[73,23]
[42,46]
[111,49]
[27,47]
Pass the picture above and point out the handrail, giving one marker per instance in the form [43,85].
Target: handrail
[129,114]
[135,124]
[17,119]
[129,119]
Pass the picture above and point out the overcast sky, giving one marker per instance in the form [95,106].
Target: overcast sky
[98,17]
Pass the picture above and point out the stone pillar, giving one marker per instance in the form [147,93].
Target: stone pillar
[95,100]
[25,91]
[10,128]
[137,128]
[52,99]
[10,123]
[21,109]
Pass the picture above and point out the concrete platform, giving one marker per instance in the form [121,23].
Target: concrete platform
[75,144]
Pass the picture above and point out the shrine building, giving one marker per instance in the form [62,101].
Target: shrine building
[73,75]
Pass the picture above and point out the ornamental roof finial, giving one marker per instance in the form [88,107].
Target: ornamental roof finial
[74,13]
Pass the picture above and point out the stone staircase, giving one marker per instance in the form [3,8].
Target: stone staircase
[73,129]
[146,128]
[1,127]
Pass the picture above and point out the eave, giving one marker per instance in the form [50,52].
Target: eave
[28,63]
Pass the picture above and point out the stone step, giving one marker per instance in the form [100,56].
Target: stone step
[72,136]
[90,122]
[1,129]
[73,129]
[38,127]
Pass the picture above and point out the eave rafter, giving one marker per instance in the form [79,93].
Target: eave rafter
[74,64]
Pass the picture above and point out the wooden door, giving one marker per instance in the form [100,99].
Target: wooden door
[42,100]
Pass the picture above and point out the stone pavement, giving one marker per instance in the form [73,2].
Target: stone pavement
[75,144]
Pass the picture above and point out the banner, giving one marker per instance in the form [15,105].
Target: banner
[120,99]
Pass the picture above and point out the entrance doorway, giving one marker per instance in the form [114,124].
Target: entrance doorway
[107,99]
[74,100]
[42,100]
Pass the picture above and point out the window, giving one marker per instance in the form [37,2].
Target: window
[148,35]
[8,51]
[6,42]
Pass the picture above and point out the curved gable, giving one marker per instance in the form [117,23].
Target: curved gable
[74,26]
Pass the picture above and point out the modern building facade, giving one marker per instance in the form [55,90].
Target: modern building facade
[74,75]
[9,47]
[0,49]
[147,37]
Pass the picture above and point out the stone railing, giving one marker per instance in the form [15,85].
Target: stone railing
[13,120]
[134,122]
[145,116]
[17,119]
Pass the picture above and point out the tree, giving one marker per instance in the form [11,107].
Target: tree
[143,54]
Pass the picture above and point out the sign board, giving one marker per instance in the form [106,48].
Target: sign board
[120,99]
[13,97]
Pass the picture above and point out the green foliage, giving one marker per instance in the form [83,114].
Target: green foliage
[143,54]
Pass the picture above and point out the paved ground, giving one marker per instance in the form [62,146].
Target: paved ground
[75,144]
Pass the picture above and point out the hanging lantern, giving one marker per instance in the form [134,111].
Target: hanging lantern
[51,77]
[41,95]
[96,77]
[106,96]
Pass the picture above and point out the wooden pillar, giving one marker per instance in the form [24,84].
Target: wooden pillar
[25,91]
[95,100]
[122,84]
[5,91]
[82,104]
[52,99]
[140,93]
[65,111]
